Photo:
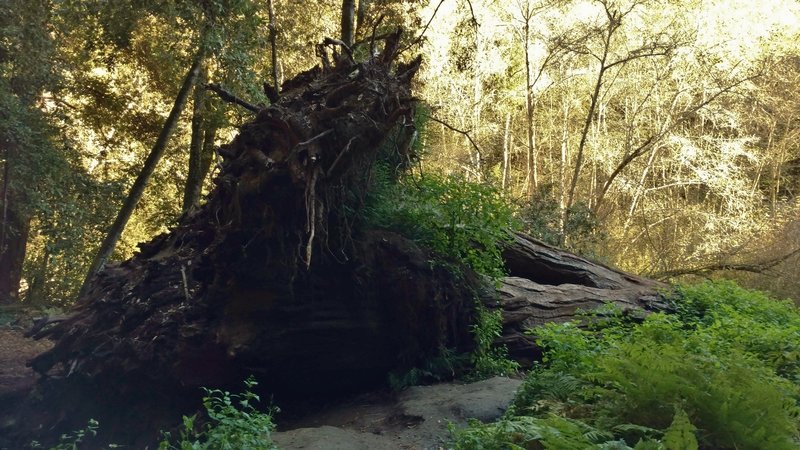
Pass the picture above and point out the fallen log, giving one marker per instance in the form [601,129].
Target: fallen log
[547,284]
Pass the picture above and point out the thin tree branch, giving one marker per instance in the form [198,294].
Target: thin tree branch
[226,96]
[419,38]
[465,133]
[649,143]
[334,42]
[753,267]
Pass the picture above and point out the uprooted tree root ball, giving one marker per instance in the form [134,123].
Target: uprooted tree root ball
[276,275]
[270,277]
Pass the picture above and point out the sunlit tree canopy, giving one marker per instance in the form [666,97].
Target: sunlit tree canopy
[659,135]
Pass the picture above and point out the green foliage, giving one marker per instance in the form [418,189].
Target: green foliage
[748,320]
[487,358]
[70,441]
[461,221]
[716,375]
[680,434]
[464,224]
[233,423]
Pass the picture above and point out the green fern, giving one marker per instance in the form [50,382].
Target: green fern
[722,373]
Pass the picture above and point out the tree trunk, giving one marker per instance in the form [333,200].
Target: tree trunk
[273,32]
[195,177]
[360,15]
[506,154]
[12,251]
[114,233]
[532,165]
[546,284]
[14,227]
[348,21]
[207,155]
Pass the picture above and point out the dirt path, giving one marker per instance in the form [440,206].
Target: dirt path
[15,351]
[417,418]
[16,379]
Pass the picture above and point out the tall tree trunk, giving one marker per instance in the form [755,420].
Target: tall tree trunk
[585,135]
[14,226]
[562,174]
[208,150]
[37,281]
[348,21]
[194,180]
[362,10]
[506,152]
[273,46]
[114,233]
[533,176]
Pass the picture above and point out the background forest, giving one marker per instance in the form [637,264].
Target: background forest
[657,135]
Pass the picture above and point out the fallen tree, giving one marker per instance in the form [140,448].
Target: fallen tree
[272,277]
[546,284]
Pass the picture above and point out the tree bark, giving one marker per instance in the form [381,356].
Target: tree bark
[12,251]
[14,228]
[195,177]
[273,32]
[348,21]
[546,284]
[532,166]
[360,16]
[135,194]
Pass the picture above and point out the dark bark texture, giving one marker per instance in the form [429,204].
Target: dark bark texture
[14,224]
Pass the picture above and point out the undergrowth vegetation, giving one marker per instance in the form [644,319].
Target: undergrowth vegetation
[464,224]
[233,423]
[722,373]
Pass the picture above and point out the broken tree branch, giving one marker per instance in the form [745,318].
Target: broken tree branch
[752,267]
[227,96]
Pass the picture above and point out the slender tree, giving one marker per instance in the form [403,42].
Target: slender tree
[194,179]
[348,21]
[135,194]
[273,31]
[614,19]
[25,50]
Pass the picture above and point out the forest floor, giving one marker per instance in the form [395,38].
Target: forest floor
[16,378]
[15,351]
[417,418]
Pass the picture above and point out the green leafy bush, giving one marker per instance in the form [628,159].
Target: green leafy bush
[70,441]
[719,374]
[577,230]
[487,358]
[233,424]
[461,221]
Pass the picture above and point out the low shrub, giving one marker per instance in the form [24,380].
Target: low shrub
[233,424]
[463,222]
[719,374]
